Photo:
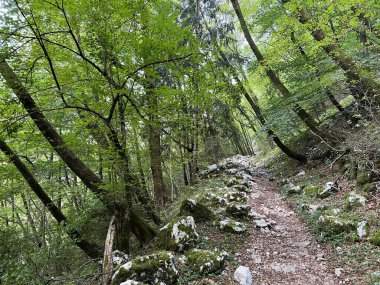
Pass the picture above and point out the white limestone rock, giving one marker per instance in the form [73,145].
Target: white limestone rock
[243,275]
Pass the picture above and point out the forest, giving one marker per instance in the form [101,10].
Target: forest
[189,142]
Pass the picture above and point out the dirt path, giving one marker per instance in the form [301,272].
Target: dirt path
[286,251]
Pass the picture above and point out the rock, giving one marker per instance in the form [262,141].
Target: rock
[119,257]
[206,261]
[235,197]
[375,239]
[197,210]
[329,189]
[132,282]
[283,267]
[311,208]
[241,187]
[301,173]
[179,235]
[243,275]
[311,190]
[335,224]
[293,189]
[155,268]
[355,200]
[362,229]
[262,223]
[232,226]
[338,272]
[238,210]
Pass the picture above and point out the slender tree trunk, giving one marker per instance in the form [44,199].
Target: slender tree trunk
[90,249]
[304,116]
[154,140]
[358,85]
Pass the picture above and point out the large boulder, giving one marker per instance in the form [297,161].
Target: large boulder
[206,261]
[155,268]
[197,210]
[180,234]
[232,226]
[335,224]
[238,210]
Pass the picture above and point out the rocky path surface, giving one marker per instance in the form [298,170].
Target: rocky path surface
[281,249]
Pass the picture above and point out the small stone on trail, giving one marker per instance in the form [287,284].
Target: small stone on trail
[243,275]
[338,271]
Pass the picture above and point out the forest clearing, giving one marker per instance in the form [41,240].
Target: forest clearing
[189,142]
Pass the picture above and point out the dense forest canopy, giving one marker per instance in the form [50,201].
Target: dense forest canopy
[111,108]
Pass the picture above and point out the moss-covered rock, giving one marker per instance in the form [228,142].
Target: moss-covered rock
[238,210]
[311,190]
[354,199]
[197,210]
[335,224]
[155,268]
[180,234]
[206,261]
[242,188]
[232,226]
[235,197]
[375,239]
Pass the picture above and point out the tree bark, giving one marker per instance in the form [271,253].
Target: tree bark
[154,140]
[90,249]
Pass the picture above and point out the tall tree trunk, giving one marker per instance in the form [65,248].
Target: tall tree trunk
[154,140]
[90,249]
[304,116]
[358,85]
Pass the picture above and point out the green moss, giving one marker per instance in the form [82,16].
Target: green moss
[206,261]
[311,190]
[238,210]
[197,210]
[375,239]
[178,235]
[368,187]
[363,177]
[149,268]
